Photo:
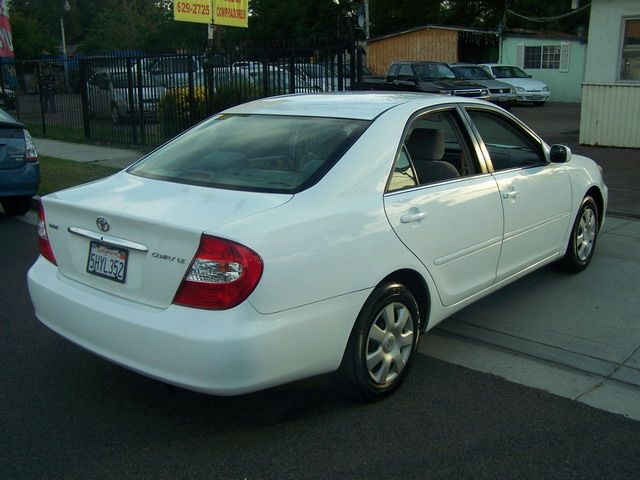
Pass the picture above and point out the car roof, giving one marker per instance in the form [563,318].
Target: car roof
[356,105]
[463,64]
[421,62]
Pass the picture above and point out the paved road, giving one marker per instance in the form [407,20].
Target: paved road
[67,414]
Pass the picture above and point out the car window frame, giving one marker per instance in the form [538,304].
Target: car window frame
[472,145]
[515,123]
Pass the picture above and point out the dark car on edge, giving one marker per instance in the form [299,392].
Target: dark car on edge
[19,167]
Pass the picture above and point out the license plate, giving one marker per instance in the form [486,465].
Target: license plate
[107,261]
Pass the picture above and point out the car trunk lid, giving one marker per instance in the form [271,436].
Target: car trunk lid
[135,237]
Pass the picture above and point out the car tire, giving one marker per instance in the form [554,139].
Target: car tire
[382,343]
[16,205]
[115,115]
[584,235]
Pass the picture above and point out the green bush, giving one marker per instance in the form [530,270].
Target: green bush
[231,94]
[176,113]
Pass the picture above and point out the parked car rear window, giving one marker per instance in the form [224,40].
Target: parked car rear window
[6,118]
[266,153]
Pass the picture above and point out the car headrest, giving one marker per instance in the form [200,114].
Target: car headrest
[426,144]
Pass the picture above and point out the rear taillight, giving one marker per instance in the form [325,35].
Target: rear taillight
[31,154]
[43,238]
[222,275]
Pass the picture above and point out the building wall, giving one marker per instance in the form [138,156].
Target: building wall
[610,116]
[428,44]
[605,36]
[610,107]
[565,85]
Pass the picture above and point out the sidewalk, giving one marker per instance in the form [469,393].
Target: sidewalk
[78,152]
[577,336]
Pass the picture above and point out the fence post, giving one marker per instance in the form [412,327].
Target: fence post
[208,78]
[132,108]
[265,80]
[355,56]
[192,93]
[292,73]
[340,57]
[143,136]
[41,97]
[359,66]
[84,100]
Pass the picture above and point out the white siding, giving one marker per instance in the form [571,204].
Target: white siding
[610,115]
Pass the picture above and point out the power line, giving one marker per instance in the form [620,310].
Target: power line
[547,19]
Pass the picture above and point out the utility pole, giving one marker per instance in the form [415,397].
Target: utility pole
[65,8]
[366,19]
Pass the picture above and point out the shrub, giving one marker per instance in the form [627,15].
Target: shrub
[176,113]
[230,94]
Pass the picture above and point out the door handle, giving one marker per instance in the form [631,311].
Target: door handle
[512,194]
[412,217]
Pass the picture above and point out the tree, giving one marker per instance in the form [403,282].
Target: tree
[491,13]
[390,16]
[30,39]
[316,20]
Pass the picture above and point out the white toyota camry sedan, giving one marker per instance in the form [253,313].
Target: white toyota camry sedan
[304,234]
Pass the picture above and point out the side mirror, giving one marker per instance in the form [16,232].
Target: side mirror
[559,154]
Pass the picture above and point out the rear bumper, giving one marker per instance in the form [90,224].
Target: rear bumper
[21,181]
[220,352]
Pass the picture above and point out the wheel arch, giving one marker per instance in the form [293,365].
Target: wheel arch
[418,287]
[595,193]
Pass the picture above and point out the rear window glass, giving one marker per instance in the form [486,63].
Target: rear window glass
[266,153]
[5,117]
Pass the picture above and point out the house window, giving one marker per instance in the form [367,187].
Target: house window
[630,62]
[547,56]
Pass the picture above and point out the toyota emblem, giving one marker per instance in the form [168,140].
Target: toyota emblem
[102,224]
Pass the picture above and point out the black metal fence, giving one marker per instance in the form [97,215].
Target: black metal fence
[145,100]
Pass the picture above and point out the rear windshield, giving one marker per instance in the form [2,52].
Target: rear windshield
[262,153]
[431,71]
[509,72]
[472,73]
[6,118]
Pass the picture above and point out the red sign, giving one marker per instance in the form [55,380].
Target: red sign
[6,41]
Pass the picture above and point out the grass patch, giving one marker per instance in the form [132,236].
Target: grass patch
[57,132]
[56,174]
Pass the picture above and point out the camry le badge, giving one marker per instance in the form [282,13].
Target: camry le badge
[102,224]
